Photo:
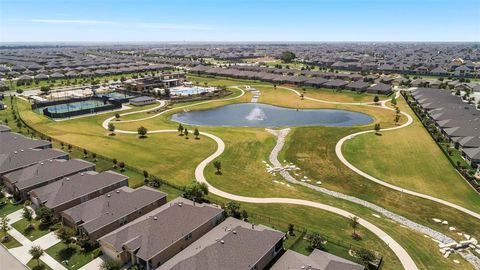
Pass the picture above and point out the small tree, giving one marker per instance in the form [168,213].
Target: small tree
[115,162]
[36,252]
[111,128]
[376,99]
[145,175]
[394,101]
[354,224]
[287,56]
[45,215]
[85,153]
[69,148]
[244,215]
[45,89]
[196,133]
[232,209]
[65,234]
[365,256]
[117,116]
[315,241]
[28,215]
[218,167]
[377,128]
[195,191]
[121,165]
[185,132]
[110,265]
[180,129]
[396,119]
[142,132]
[4,224]
[291,229]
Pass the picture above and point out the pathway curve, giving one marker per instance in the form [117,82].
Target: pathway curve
[405,259]
[437,236]
[338,152]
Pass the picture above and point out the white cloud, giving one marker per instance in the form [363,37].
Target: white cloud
[56,21]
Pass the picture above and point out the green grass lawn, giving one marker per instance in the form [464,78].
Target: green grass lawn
[11,243]
[36,232]
[172,157]
[71,256]
[411,159]
[34,265]
[9,207]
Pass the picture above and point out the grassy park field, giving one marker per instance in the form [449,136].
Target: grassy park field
[174,158]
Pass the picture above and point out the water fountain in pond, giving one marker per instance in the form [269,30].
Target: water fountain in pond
[256,114]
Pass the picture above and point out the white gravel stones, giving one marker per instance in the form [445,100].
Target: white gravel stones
[438,236]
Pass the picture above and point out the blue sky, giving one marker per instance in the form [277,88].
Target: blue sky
[239,20]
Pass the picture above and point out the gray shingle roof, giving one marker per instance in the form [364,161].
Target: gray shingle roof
[101,211]
[76,186]
[21,159]
[161,228]
[10,141]
[44,172]
[231,245]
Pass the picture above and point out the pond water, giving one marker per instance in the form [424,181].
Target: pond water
[264,115]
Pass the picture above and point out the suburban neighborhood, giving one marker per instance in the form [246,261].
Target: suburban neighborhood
[240,135]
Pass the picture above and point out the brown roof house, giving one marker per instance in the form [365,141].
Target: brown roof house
[156,237]
[233,245]
[317,260]
[108,212]
[43,173]
[76,189]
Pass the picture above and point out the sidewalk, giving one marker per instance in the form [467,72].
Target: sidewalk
[22,254]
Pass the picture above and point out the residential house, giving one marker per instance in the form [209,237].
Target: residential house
[43,173]
[233,245]
[108,212]
[380,88]
[23,158]
[76,189]
[11,141]
[159,235]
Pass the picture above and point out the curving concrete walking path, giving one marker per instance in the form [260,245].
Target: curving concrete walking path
[400,252]
[339,145]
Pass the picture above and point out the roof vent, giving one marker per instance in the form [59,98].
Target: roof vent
[216,239]
[118,191]
[14,152]
[68,179]
[82,174]
[21,150]
[41,163]
[155,218]
[221,241]
[234,232]
[108,195]
[180,204]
